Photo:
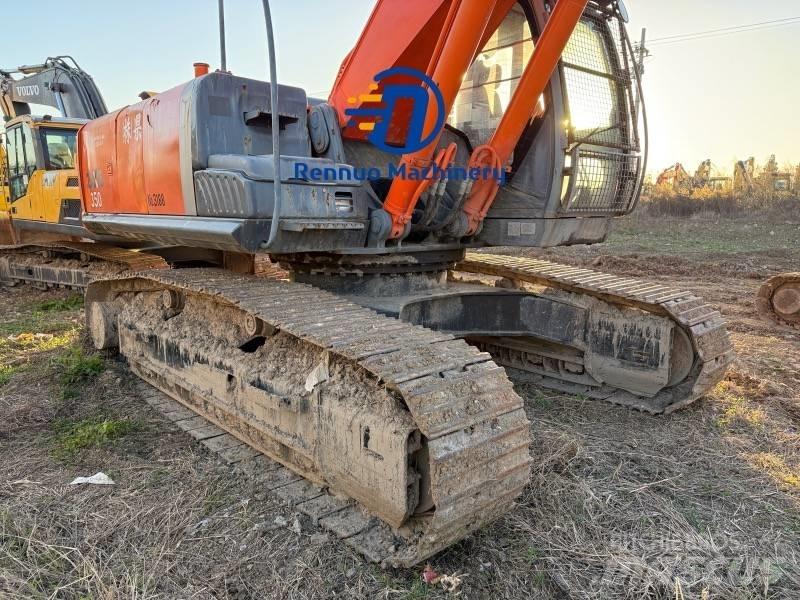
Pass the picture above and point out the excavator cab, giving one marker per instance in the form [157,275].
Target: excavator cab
[580,161]
[44,199]
[6,231]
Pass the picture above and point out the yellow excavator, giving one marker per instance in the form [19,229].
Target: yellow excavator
[41,193]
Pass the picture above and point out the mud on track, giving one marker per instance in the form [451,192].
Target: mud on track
[620,504]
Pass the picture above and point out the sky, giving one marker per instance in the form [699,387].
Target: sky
[725,98]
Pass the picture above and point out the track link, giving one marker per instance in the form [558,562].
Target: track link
[778,300]
[705,327]
[70,264]
[464,421]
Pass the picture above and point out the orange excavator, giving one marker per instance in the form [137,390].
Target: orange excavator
[675,178]
[377,365]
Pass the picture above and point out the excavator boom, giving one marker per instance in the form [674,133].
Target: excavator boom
[59,82]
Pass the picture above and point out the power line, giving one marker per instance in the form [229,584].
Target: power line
[680,35]
[714,33]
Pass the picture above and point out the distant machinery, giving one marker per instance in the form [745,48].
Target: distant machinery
[675,178]
[769,180]
[744,176]
[772,179]
[702,177]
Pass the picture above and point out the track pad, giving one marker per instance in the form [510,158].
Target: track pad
[628,349]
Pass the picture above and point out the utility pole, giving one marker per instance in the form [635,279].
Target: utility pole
[643,53]
[223,63]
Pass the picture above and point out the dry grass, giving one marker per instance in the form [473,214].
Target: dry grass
[703,504]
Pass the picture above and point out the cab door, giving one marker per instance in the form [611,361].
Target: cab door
[22,166]
[5,203]
[7,236]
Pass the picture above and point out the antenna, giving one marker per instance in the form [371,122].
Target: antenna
[223,62]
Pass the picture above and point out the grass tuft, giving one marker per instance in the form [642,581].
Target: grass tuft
[90,433]
[59,305]
[777,468]
[6,373]
[78,368]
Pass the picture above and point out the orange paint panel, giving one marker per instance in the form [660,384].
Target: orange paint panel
[129,149]
[97,165]
[129,160]
[399,32]
[162,164]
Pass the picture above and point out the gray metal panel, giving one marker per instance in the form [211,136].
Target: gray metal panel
[43,226]
[235,235]
[544,233]
[242,187]
[231,115]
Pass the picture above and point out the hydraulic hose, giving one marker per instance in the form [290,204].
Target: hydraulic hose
[276,129]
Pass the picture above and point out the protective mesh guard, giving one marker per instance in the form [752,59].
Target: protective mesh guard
[70,209]
[598,84]
[599,80]
[602,182]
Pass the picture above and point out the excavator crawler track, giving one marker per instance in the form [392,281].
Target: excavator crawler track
[70,264]
[711,351]
[424,432]
[778,300]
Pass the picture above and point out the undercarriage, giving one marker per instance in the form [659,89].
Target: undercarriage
[402,402]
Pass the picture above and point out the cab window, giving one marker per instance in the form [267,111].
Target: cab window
[59,148]
[491,81]
[21,160]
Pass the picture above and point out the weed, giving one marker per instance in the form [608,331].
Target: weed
[17,352]
[90,433]
[42,323]
[693,518]
[6,373]
[542,401]
[76,369]
[410,588]
[60,305]
[533,555]
[540,578]
[777,468]
[417,591]
[26,343]
[739,412]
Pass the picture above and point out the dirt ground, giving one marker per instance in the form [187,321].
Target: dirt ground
[702,504]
